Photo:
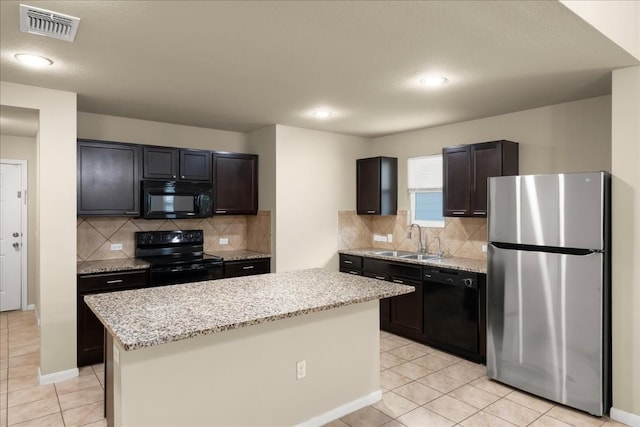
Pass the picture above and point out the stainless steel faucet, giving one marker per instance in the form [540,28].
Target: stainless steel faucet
[440,252]
[420,245]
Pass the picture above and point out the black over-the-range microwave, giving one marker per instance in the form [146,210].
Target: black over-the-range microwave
[176,199]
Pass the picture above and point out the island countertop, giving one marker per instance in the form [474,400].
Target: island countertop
[152,316]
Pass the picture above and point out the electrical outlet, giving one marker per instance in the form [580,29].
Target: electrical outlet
[301,369]
[389,238]
[379,238]
[484,248]
[224,241]
[116,246]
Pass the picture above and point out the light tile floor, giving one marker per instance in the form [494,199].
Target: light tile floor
[421,386]
[74,402]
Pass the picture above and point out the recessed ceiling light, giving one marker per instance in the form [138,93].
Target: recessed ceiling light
[33,60]
[321,114]
[433,81]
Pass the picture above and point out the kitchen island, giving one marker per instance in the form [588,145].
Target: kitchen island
[226,352]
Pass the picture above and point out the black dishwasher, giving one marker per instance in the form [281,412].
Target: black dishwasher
[452,311]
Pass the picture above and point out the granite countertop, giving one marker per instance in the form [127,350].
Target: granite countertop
[111,265]
[465,264]
[239,255]
[152,316]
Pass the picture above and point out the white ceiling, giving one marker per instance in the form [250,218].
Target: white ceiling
[242,65]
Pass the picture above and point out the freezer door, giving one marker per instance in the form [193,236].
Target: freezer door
[565,210]
[545,325]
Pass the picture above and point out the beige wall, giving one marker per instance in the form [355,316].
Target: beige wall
[120,129]
[56,230]
[570,137]
[23,148]
[263,143]
[180,383]
[315,178]
[626,241]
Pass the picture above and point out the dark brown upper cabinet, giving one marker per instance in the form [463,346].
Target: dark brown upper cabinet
[377,186]
[176,164]
[108,178]
[466,169]
[235,180]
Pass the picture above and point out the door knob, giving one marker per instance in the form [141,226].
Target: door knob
[16,234]
[16,245]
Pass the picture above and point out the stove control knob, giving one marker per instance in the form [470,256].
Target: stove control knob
[468,282]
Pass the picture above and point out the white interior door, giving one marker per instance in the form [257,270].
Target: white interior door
[11,239]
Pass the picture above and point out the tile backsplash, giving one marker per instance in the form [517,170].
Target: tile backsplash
[95,235]
[460,237]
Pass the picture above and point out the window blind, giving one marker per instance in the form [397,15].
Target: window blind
[425,173]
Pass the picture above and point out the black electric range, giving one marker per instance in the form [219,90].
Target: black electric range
[177,256]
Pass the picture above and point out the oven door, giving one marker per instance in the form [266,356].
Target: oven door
[171,275]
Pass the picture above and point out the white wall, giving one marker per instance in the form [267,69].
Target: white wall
[570,137]
[56,231]
[121,129]
[626,243]
[315,178]
[24,148]
[616,19]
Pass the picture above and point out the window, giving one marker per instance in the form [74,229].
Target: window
[425,190]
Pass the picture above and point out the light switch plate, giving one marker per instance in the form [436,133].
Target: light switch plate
[484,248]
[223,241]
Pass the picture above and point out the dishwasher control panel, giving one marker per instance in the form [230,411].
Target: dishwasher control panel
[451,277]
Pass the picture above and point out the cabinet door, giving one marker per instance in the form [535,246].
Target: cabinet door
[108,180]
[368,184]
[235,177]
[456,180]
[90,336]
[407,310]
[486,159]
[195,165]
[160,163]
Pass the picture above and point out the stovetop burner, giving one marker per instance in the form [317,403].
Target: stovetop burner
[173,247]
[177,257]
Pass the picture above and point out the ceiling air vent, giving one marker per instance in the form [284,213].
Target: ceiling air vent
[48,23]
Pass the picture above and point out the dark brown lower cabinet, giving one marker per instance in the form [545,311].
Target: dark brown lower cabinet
[406,311]
[90,332]
[247,267]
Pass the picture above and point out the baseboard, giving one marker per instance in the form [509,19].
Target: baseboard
[625,417]
[57,376]
[33,307]
[342,410]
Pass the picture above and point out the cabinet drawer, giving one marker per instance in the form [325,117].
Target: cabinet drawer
[399,270]
[351,271]
[247,267]
[350,261]
[116,281]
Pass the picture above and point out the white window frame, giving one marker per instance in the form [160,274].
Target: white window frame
[424,187]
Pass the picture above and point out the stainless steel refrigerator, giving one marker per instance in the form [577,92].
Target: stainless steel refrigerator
[548,287]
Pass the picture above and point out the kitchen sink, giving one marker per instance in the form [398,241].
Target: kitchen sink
[398,254]
[421,257]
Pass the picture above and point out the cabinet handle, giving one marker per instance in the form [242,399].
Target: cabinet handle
[354,272]
[221,211]
[380,277]
[182,177]
[479,213]
[348,262]
[111,282]
[371,211]
[427,276]
[248,267]
[458,213]
[131,213]
[398,281]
